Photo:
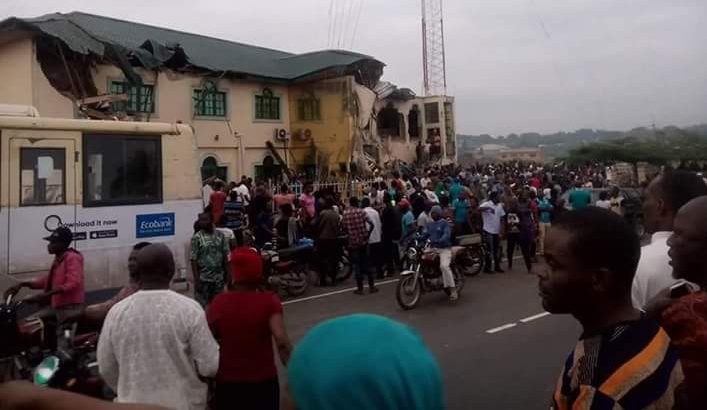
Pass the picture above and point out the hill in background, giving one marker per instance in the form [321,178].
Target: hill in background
[559,145]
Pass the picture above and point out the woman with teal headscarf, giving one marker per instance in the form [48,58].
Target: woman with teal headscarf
[364,362]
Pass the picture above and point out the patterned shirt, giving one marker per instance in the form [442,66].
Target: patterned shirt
[686,323]
[154,345]
[209,250]
[632,365]
[355,223]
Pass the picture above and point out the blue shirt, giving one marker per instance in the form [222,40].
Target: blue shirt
[461,211]
[408,224]
[545,208]
[455,190]
[580,199]
[440,234]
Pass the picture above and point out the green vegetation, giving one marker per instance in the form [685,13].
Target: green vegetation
[659,150]
[639,144]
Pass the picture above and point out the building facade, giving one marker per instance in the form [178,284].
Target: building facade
[254,111]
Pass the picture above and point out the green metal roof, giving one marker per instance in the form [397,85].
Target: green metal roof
[91,34]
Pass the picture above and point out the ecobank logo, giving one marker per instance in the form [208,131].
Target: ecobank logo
[151,225]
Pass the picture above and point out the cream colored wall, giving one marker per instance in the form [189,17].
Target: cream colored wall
[173,102]
[173,92]
[332,135]
[44,97]
[403,147]
[15,72]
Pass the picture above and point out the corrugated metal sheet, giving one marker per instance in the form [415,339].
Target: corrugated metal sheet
[87,33]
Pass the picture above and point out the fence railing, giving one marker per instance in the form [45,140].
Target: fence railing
[346,189]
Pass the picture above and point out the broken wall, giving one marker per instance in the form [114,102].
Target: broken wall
[331,134]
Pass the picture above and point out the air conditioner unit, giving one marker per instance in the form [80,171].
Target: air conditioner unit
[306,135]
[281,134]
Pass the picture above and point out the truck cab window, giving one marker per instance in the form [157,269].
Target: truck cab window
[122,170]
[42,176]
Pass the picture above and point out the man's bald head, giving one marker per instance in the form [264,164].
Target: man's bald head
[688,244]
[155,265]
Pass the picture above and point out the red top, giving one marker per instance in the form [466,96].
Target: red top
[246,265]
[66,275]
[240,322]
[686,323]
[217,200]
[535,182]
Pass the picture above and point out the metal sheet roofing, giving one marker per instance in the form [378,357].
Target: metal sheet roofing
[87,33]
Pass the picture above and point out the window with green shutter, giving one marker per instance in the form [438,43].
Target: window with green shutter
[308,109]
[208,102]
[140,97]
[267,106]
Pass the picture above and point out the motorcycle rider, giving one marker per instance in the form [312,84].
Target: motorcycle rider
[440,236]
[63,286]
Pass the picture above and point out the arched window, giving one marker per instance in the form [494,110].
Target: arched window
[267,106]
[211,168]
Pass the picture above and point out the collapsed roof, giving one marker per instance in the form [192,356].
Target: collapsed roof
[128,44]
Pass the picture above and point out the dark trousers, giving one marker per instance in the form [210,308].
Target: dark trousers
[493,247]
[360,266]
[392,256]
[375,252]
[247,396]
[523,242]
[329,252]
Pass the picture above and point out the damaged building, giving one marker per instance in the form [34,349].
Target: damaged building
[417,130]
[255,111]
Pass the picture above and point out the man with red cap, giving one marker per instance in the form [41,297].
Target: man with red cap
[245,321]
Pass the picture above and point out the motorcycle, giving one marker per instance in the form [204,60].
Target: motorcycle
[284,270]
[468,254]
[424,274]
[470,258]
[67,363]
[73,367]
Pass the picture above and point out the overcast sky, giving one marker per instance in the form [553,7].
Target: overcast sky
[513,65]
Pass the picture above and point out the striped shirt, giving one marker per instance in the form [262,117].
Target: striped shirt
[633,365]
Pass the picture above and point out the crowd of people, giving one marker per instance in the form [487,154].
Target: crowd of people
[643,311]
[515,203]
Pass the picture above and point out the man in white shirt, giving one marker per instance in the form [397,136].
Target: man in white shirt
[431,195]
[156,344]
[492,213]
[206,191]
[664,196]
[375,246]
[243,193]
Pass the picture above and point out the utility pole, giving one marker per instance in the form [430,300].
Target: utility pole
[433,60]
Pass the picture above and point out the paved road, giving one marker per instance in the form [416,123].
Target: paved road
[512,367]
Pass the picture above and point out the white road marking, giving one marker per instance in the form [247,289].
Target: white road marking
[534,317]
[336,292]
[501,328]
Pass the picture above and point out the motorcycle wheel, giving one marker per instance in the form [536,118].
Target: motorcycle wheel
[298,283]
[343,268]
[408,292]
[470,261]
[459,280]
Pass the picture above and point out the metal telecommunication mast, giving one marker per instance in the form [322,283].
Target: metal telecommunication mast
[433,60]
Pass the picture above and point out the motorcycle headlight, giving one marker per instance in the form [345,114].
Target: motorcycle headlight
[46,370]
[412,253]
